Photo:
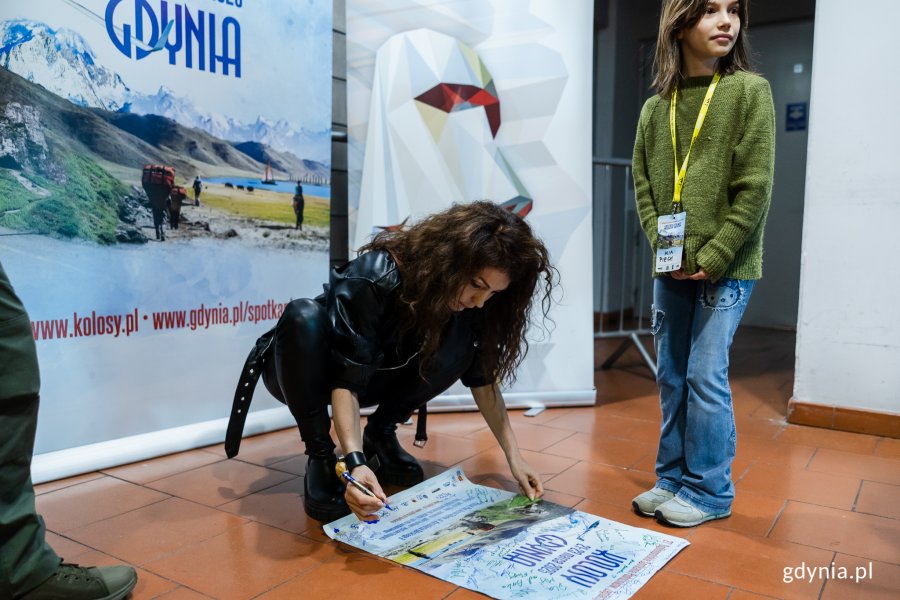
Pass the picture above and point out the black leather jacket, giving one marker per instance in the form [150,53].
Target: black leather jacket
[362,303]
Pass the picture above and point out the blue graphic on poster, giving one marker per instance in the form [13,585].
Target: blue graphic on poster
[144,297]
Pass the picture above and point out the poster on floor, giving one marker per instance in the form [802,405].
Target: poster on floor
[147,286]
[460,101]
[503,545]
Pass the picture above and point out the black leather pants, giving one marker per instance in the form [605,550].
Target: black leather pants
[297,374]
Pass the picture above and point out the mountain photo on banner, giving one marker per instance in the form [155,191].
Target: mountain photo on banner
[236,103]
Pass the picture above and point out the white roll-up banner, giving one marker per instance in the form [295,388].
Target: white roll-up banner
[144,305]
[456,101]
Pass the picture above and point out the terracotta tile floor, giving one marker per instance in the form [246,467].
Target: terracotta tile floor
[199,526]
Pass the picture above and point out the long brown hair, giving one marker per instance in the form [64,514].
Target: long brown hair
[442,253]
[678,15]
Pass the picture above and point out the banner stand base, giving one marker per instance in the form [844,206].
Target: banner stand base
[51,466]
[113,453]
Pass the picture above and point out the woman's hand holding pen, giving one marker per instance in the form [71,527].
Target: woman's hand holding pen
[363,505]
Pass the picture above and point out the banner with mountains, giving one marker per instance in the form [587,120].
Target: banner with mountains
[62,62]
[143,298]
[214,99]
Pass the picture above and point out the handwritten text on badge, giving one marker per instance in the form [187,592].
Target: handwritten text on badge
[670,242]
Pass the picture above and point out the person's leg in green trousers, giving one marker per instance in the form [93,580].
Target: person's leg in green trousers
[29,568]
[27,560]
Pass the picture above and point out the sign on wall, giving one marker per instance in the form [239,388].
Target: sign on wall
[146,287]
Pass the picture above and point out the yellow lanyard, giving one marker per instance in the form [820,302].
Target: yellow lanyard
[704,108]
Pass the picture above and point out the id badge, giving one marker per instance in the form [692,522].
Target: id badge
[670,242]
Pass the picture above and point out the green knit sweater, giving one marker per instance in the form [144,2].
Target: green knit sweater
[728,185]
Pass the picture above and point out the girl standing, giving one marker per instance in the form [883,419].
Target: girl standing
[703,167]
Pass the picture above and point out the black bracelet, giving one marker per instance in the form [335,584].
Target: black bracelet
[353,460]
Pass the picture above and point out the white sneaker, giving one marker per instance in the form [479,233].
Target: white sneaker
[647,503]
[679,513]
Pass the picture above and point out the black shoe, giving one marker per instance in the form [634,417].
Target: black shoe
[85,583]
[397,466]
[323,492]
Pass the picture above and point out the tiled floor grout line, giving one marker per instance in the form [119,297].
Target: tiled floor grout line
[778,516]
[169,497]
[868,514]
[632,467]
[865,558]
[246,520]
[288,531]
[230,500]
[144,483]
[295,576]
[605,436]
[877,444]
[740,589]
[69,487]
[747,470]
[100,474]
[177,583]
[877,516]
[281,470]
[62,535]
[811,458]
[825,582]
[577,462]
[144,567]
[247,462]
[856,498]
[185,586]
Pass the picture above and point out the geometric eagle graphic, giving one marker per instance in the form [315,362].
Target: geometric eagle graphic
[432,134]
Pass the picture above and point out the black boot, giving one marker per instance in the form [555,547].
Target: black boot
[397,466]
[323,492]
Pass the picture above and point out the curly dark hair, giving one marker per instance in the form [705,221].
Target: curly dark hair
[442,253]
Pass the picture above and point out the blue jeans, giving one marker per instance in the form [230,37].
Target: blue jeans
[693,327]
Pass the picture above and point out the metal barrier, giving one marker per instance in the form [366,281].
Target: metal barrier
[622,280]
